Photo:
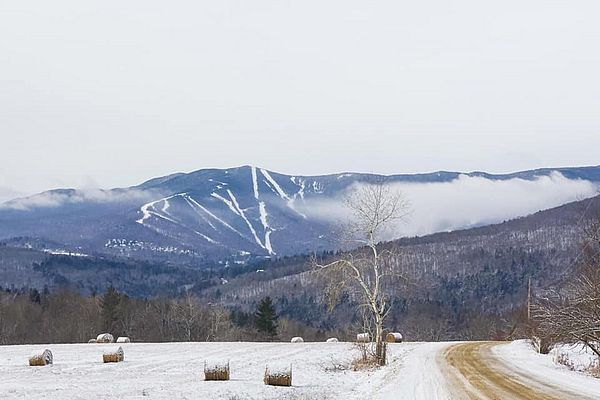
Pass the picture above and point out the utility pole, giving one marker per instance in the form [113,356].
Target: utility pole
[529,300]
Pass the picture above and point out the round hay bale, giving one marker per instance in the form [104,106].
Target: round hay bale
[297,339]
[394,337]
[105,338]
[363,338]
[123,339]
[92,341]
[278,376]
[216,371]
[42,359]
[332,340]
[113,357]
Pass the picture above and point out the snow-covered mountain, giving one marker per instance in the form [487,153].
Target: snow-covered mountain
[224,213]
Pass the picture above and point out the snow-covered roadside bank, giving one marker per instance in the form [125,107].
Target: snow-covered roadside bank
[520,356]
[418,376]
[174,370]
[576,357]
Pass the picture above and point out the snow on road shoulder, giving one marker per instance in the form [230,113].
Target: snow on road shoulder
[578,356]
[417,374]
[521,356]
[175,370]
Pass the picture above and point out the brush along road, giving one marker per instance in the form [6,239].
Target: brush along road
[474,371]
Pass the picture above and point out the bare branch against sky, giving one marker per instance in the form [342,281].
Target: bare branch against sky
[109,93]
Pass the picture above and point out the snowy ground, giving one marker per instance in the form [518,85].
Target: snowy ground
[521,356]
[175,371]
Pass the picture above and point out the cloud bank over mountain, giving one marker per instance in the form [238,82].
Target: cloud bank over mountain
[57,198]
[468,201]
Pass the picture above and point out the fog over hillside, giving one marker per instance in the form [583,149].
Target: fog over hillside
[216,214]
[469,201]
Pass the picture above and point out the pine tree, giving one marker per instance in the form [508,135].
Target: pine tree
[110,303]
[34,296]
[265,319]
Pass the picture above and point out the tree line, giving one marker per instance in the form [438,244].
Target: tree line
[31,316]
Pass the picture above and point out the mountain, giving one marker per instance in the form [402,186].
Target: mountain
[449,280]
[220,214]
[449,285]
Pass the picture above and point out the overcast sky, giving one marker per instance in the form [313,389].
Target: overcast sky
[110,93]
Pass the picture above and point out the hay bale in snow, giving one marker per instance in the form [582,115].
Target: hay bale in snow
[363,338]
[42,359]
[116,356]
[297,339]
[332,340]
[123,339]
[216,371]
[394,337]
[105,338]
[278,376]
[92,341]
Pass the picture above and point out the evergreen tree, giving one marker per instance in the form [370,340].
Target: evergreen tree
[34,296]
[109,303]
[265,319]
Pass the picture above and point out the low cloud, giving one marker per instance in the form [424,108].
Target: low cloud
[58,198]
[468,201]
[7,193]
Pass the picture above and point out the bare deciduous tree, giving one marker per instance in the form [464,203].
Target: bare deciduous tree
[574,313]
[373,211]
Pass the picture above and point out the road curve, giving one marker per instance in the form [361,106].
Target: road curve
[474,372]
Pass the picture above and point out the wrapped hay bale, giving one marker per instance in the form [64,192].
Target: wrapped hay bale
[278,376]
[216,371]
[105,338]
[92,341]
[117,356]
[394,337]
[363,338]
[123,339]
[332,340]
[297,339]
[42,359]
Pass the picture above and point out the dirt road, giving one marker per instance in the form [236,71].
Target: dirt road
[473,372]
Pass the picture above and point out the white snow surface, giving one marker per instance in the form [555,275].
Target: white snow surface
[149,209]
[254,183]
[580,357]
[521,356]
[175,371]
[240,212]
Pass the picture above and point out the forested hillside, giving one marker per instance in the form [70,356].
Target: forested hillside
[449,280]
[463,284]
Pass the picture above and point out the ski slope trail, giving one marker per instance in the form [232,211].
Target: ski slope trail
[478,370]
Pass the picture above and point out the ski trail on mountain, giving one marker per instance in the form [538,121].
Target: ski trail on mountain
[194,205]
[147,213]
[217,218]
[254,182]
[227,202]
[243,215]
[281,192]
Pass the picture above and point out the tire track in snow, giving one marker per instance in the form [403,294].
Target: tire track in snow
[474,372]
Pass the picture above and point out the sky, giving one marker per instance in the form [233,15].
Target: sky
[112,93]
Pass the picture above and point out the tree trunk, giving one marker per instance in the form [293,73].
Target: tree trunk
[379,344]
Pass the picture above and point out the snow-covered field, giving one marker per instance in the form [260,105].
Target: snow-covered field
[175,371]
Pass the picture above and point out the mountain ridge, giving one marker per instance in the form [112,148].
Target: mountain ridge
[217,213]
